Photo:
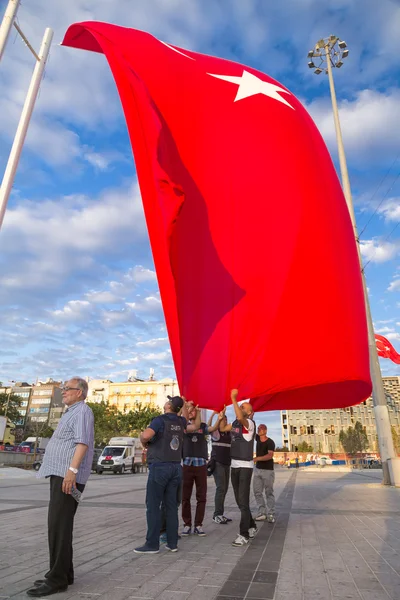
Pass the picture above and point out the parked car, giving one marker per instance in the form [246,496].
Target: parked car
[117,456]
[96,455]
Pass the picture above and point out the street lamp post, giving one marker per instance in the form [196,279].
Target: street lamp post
[327,54]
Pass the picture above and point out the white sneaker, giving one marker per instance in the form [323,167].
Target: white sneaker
[253,532]
[261,517]
[240,541]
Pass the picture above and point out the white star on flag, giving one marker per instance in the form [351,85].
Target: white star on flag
[250,85]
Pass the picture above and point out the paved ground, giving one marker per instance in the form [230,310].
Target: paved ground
[336,536]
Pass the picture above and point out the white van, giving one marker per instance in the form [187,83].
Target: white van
[118,456]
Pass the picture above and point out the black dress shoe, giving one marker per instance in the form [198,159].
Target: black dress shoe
[45,590]
[41,581]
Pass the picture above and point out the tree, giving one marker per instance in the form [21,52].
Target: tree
[10,403]
[304,447]
[136,420]
[284,449]
[354,439]
[396,440]
[110,422]
[38,429]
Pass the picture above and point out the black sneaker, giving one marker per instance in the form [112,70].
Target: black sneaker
[145,550]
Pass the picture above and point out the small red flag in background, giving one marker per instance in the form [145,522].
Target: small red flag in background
[251,237]
[386,350]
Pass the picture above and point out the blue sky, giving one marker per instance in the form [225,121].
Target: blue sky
[77,283]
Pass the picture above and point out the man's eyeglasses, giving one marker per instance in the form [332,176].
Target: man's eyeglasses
[67,389]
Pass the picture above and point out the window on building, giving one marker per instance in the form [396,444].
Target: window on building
[293,430]
[310,430]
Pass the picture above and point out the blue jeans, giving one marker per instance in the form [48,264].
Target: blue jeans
[162,486]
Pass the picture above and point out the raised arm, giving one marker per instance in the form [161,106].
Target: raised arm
[195,425]
[212,428]
[238,411]
[210,420]
[228,426]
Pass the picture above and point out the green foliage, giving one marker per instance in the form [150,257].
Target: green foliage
[110,422]
[396,440]
[10,403]
[354,439]
[304,447]
[284,449]
[38,429]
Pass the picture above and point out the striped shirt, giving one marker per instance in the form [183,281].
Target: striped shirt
[76,426]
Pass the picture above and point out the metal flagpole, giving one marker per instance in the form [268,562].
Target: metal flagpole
[23,124]
[335,50]
[7,23]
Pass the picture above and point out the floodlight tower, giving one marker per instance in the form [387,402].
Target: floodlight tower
[329,53]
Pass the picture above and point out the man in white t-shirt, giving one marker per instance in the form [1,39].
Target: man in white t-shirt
[242,449]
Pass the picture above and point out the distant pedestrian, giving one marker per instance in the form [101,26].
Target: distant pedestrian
[67,462]
[164,438]
[195,458]
[242,465]
[221,455]
[264,476]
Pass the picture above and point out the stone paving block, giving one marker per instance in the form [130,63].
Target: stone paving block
[185,583]
[151,589]
[365,595]
[215,578]
[260,591]
[204,592]
[234,588]
[368,583]
[168,595]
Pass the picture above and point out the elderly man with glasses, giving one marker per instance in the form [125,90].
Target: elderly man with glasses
[67,462]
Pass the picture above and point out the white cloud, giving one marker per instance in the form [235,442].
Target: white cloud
[378,252]
[151,304]
[155,343]
[63,236]
[383,330]
[391,209]
[105,297]
[393,336]
[74,310]
[142,275]
[394,286]
[370,124]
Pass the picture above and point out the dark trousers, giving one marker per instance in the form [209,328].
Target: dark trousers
[198,476]
[163,527]
[162,486]
[62,509]
[221,478]
[241,481]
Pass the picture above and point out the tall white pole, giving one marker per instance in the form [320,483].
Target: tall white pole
[391,468]
[23,124]
[7,23]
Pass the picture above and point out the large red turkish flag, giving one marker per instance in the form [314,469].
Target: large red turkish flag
[252,241]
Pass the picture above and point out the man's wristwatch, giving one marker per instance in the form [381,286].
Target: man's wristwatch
[73,470]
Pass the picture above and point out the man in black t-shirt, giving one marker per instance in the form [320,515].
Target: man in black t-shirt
[264,476]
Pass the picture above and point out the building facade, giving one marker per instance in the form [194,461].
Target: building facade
[321,428]
[45,406]
[24,391]
[129,394]
[98,390]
